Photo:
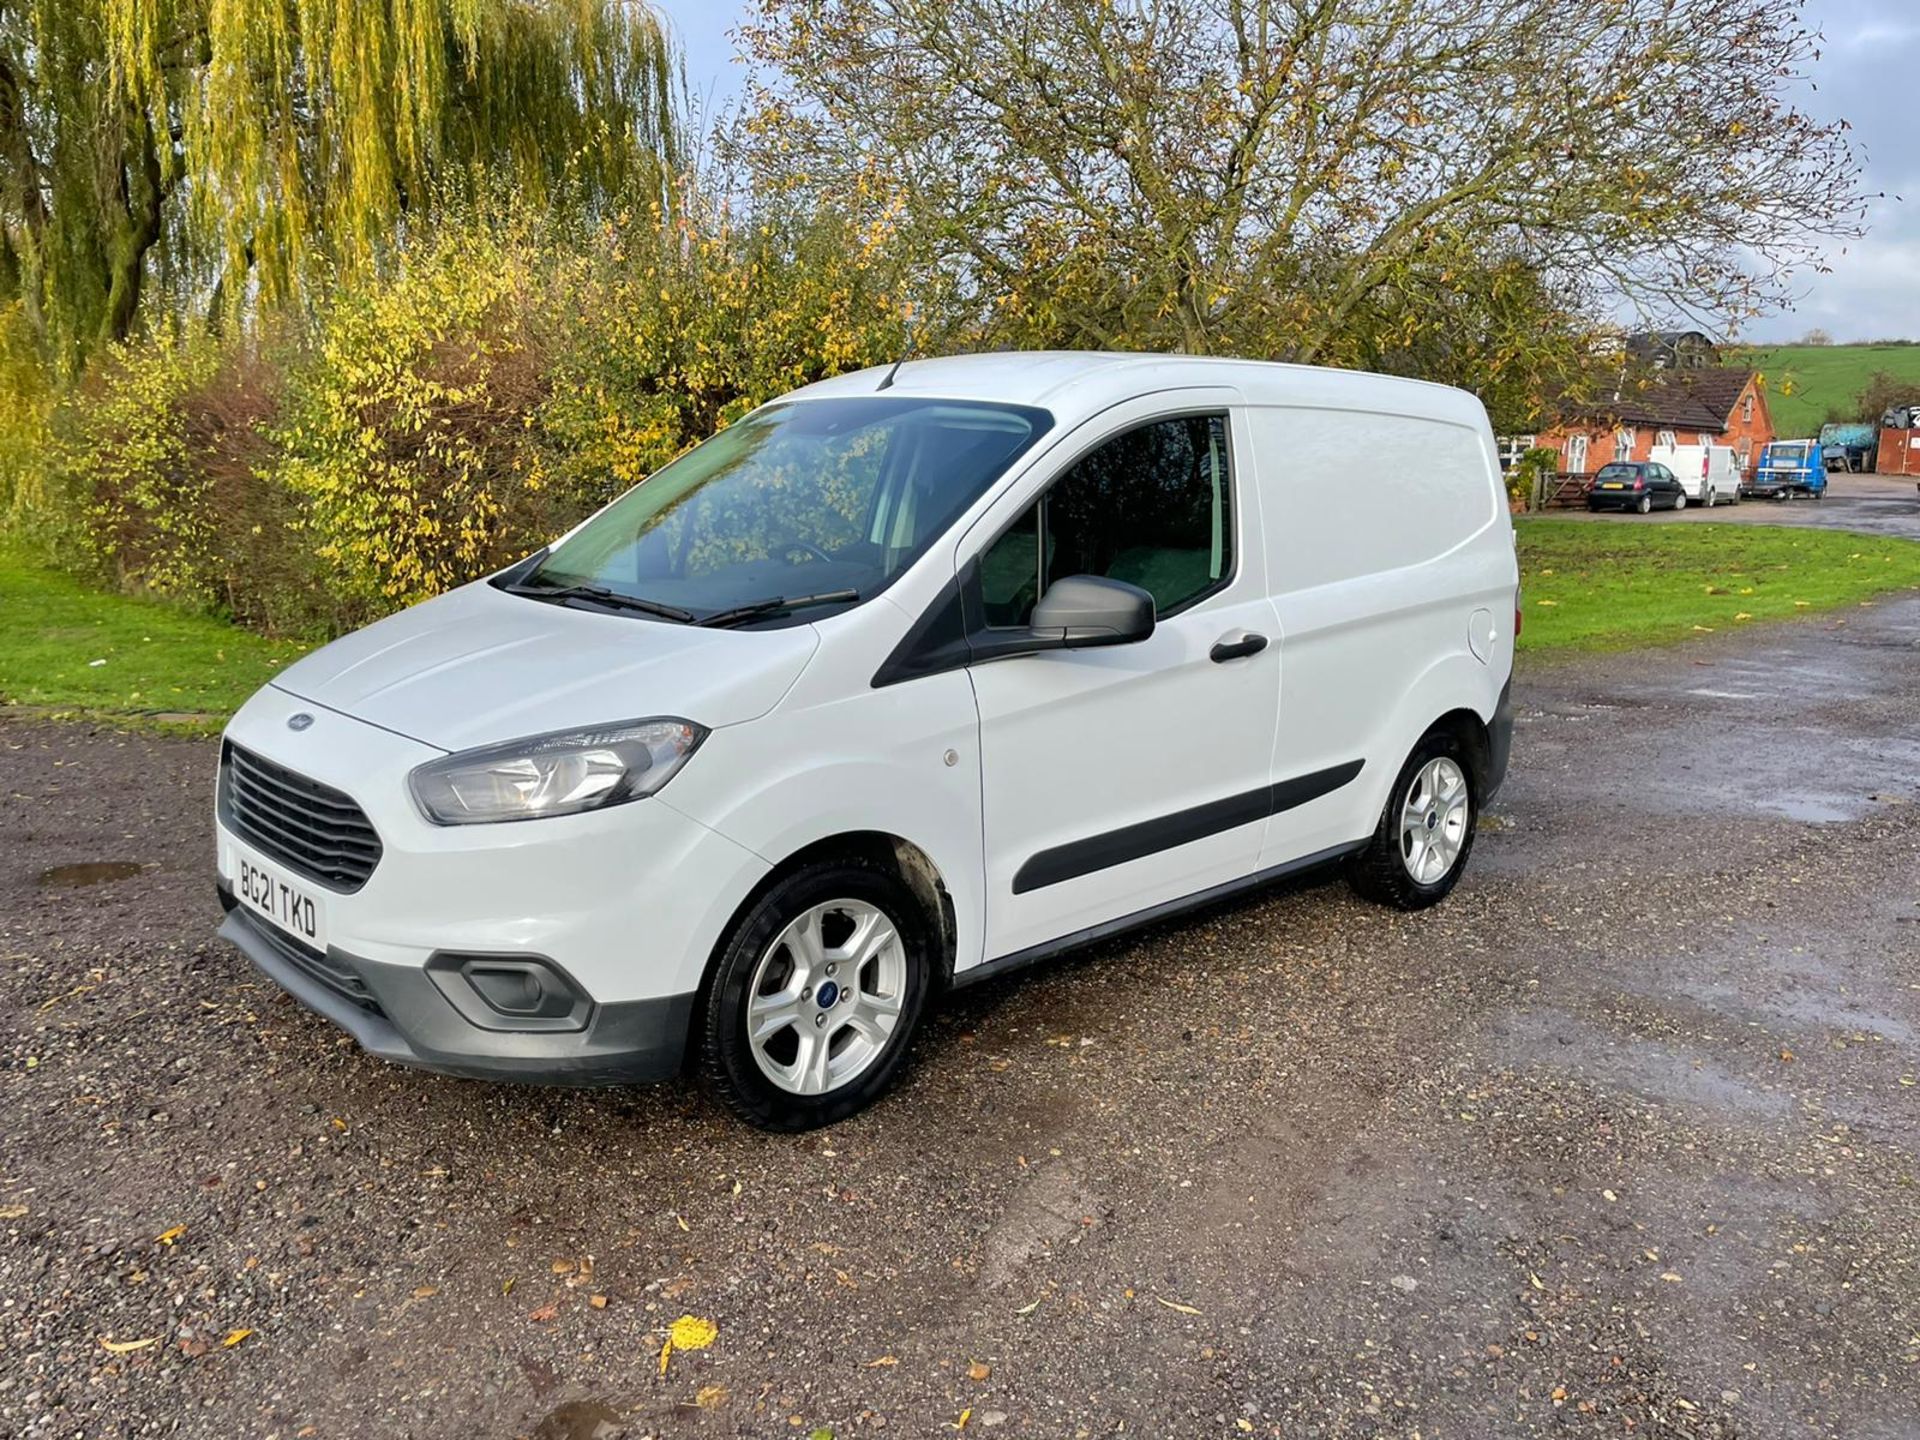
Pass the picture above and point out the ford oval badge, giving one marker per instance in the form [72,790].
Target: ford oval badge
[300,721]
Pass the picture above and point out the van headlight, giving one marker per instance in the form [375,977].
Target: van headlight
[562,773]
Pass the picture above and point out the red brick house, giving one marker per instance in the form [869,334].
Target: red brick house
[1713,405]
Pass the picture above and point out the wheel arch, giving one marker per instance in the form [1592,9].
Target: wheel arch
[1475,739]
[908,861]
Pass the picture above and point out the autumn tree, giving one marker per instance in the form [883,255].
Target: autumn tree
[1446,184]
[221,151]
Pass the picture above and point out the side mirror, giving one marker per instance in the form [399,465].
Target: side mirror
[1085,610]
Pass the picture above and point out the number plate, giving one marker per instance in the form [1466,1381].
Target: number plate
[269,892]
[1611,485]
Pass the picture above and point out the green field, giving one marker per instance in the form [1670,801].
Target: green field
[1594,585]
[1822,377]
[68,649]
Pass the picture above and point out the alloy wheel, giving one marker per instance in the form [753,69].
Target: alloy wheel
[826,996]
[1433,820]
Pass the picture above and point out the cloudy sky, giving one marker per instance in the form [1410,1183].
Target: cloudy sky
[1869,75]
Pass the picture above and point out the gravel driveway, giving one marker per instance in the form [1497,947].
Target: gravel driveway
[1620,1141]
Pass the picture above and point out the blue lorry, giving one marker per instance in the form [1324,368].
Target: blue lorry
[1787,468]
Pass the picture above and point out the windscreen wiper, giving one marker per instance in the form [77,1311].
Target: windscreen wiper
[599,595]
[777,604]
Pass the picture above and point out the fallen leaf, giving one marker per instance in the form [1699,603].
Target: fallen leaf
[883,1360]
[563,1267]
[544,1313]
[12,1212]
[979,1371]
[506,1286]
[1671,1278]
[965,1415]
[1243,1425]
[234,1337]
[1176,1305]
[1028,1309]
[1534,1280]
[425,1292]
[682,1223]
[121,1347]
[599,1302]
[689,1332]
[167,1237]
[711,1397]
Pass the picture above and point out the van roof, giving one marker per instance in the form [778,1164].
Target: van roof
[1077,383]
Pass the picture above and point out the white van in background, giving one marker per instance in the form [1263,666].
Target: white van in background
[1710,474]
[911,677]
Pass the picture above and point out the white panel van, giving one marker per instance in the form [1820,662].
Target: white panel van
[906,679]
[1710,474]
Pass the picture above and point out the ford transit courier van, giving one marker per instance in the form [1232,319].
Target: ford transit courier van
[907,678]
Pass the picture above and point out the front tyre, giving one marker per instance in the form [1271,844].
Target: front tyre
[1425,834]
[816,994]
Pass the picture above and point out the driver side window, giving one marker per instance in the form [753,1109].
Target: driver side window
[1152,507]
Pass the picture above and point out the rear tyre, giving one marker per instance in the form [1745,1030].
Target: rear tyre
[816,992]
[1644,504]
[1425,834]
[1706,497]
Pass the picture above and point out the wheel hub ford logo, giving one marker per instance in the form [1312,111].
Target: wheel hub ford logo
[300,721]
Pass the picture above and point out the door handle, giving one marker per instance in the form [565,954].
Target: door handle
[1236,645]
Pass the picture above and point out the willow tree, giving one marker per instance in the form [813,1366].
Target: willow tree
[202,151]
[1431,183]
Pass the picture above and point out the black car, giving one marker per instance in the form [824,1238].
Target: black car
[1636,485]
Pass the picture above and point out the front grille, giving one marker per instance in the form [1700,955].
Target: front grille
[310,828]
[316,965]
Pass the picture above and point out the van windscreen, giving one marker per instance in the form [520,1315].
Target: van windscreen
[824,499]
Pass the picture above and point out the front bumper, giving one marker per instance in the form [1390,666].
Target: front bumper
[403,1013]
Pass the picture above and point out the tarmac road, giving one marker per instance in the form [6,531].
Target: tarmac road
[1620,1141]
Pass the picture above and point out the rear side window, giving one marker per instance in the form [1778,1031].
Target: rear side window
[1152,507]
[1618,472]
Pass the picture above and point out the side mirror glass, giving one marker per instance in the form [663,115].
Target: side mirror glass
[1084,610]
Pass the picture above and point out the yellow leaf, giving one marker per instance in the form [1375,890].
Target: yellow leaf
[1548,603]
[1743,615]
[1176,1305]
[965,1415]
[167,1237]
[689,1332]
[234,1337]
[121,1347]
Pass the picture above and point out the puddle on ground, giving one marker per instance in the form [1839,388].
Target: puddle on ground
[90,872]
[580,1420]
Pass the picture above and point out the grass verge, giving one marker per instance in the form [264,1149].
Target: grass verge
[1591,586]
[67,649]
